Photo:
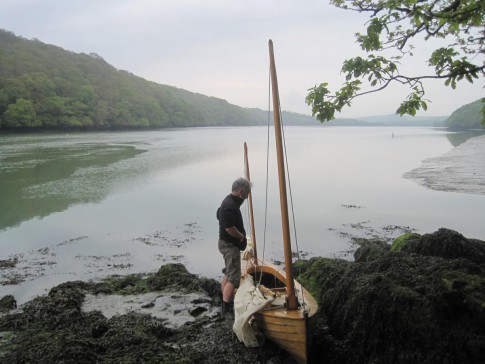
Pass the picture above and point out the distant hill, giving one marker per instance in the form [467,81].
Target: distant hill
[43,86]
[405,120]
[468,116]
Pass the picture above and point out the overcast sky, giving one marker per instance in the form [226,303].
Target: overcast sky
[219,47]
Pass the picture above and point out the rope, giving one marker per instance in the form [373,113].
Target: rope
[267,184]
[290,190]
[291,202]
[267,174]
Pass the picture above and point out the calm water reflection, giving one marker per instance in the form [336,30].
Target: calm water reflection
[39,179]
[88,205]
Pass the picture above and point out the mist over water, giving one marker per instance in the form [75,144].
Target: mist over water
[87,205]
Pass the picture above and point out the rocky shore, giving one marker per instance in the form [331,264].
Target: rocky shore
[419,300]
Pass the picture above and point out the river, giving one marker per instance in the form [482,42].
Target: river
[87,205]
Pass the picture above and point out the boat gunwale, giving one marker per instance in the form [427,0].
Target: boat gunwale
[311,305]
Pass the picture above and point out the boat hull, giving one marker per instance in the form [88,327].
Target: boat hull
[292,330]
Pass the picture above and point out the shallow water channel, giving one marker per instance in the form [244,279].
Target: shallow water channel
[87,205]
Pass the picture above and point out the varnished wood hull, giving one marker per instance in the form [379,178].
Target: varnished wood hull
[290,330]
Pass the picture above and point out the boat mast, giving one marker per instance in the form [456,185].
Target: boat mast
[250,202]
[291,299]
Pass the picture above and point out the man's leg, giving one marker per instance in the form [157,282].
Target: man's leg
[228,291]
[231,273]
[224,280]
[227,298]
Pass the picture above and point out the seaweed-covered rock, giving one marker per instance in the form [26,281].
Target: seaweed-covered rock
[400,308]
[211,286]
[55,329]
[323,274]
[124,285]
[370,249]
[7,303]
[174,276]
[402,241]
[419,304]
[8,263]
[448,244]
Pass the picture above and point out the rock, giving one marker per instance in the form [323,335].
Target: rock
[173,276]
[402,241]
[149,305]
[54,328]
[8,263]
[197,311]
[423,302]
[448,244]
[370,249]
[7,303]
[427,306]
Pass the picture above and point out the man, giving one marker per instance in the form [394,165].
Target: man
[232,239]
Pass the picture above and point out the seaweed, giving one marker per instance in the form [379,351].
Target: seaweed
[422,301]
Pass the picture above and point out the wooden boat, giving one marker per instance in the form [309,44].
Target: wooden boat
[289,324]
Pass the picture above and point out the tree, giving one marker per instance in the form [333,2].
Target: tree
[393,26]
[465,117]
[39,86]
[21,113]
[54,111]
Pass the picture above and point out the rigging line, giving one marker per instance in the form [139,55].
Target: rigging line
[267,169]
[291,195]
[289,186]
[248,211]
[247,221]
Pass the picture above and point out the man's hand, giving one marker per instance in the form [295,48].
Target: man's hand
[242,244]
[234,232]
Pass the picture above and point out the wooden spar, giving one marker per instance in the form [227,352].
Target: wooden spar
[289,326]
[291,299]
[250,202]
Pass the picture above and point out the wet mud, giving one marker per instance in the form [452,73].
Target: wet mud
[419,299]
[49,260]
[460,170]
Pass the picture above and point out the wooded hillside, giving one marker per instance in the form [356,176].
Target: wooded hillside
[44,86]
[467,117]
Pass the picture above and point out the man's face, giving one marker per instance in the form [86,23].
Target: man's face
[244,194]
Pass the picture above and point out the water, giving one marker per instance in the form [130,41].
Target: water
[87,205]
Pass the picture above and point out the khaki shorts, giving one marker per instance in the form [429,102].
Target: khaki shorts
[232,259]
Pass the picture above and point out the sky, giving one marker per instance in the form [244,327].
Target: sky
[220,47]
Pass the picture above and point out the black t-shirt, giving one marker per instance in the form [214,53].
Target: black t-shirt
[230,215]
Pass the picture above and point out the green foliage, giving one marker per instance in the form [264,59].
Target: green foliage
[21,113]
[402,240]
[393,25]
[468,116]
[325,110]
[44,86]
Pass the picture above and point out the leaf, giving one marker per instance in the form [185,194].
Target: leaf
[391,31]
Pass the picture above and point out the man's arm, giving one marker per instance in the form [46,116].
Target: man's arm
[235,233]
